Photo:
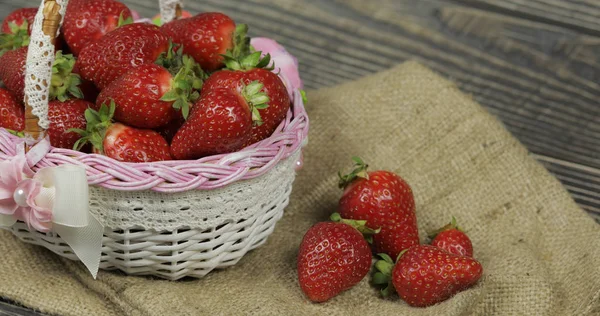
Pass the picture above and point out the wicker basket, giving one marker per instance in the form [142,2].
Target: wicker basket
[174,219]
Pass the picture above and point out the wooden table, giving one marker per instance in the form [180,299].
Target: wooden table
[535,64]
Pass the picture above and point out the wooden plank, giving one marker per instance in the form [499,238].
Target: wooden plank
[580,15]
[540,80]
[10,309]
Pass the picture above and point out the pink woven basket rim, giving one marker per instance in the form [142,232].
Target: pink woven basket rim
[175,176]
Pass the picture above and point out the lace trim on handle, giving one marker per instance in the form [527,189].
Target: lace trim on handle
[168,10]
[38,71]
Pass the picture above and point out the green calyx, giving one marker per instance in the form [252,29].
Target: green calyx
[122,21]
[97,124]
[241,57]
[17,38]
[452,225]
[360,225]
[16,133]
[383,274]
[304,98]
[64,84]
[256,100]
[187,81]
[360,171]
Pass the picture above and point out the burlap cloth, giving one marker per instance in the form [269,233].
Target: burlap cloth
[540,252]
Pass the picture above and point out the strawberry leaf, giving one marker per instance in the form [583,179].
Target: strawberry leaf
[360,171]
[255,99]
[304,98]
[380,278]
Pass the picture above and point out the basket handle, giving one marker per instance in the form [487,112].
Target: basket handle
[38,72]
[48,21]
[170,10]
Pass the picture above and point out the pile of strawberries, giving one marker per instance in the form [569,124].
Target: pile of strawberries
[378,208]
[138,92]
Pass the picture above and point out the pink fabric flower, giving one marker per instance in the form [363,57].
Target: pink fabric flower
[285,63]
[18,191]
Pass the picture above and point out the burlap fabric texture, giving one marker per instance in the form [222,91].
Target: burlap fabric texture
[540,251]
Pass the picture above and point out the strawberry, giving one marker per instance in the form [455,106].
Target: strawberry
[64,81]
[65,110]
[16,29]
[151,96]
[23,17]
[425,275]
[64,116]
[168,131]
[119,141]
[251,68]
[333,258]
[386,202]
[220,122]
[205,37]
[12,71]
[127,47]
[452,239]
[87,21]
[12,112]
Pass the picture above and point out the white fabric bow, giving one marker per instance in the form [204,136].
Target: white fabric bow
[53,199]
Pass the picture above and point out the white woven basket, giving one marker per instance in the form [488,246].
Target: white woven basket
[190,233]
[188,250]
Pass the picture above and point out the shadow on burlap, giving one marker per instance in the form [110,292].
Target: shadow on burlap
[540,252]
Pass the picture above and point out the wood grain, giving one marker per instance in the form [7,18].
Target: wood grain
[580,15]
[535,64]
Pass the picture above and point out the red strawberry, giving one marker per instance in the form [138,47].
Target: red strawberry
[119,141]
[425,275]
[117,52]
[205,37]
[64,81]
[19,17]
[150,96]
[87,21]
[16,29]
[12,71]
[220,122]
[12,112]
[168,131]
[64,116]
[386,202]
[452,239]
[333,258]
[248,70]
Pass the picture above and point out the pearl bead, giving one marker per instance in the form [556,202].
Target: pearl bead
[299,163]
[20,198]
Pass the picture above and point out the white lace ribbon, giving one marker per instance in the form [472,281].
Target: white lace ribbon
[40,58]
[168,10]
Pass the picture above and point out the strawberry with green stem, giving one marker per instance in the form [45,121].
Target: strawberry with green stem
[207,37]
[118,141]
[244,67]
[385,201]
[153,95]
[424,275]
[220,122]
[65,107]
[452,239]
[16,29]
